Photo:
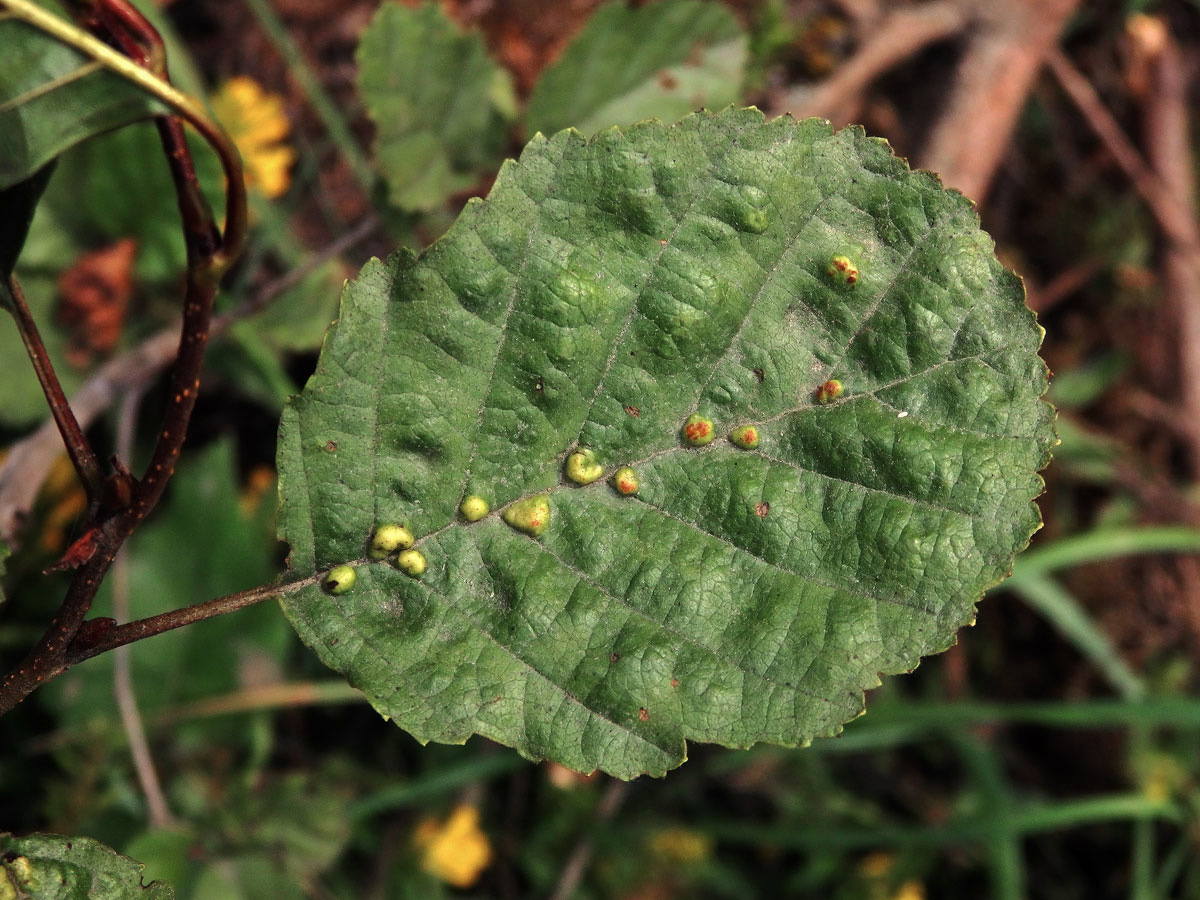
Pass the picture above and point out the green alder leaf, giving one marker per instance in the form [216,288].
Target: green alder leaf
[52,97]
[662,61]
[608,290]
[53,867]
[437,101]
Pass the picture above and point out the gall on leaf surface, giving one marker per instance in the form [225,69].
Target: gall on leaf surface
[608,273]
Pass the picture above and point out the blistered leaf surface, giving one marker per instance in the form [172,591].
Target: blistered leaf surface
[662,60]
[53,867]
[606,291]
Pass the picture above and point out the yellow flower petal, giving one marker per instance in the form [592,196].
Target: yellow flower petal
[456,850]
[259,127]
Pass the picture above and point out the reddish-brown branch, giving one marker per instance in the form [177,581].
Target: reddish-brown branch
[119,635]
[1169,147]
[1009,42]
[1172,217]
[107,529]
[901,34]
[82,456]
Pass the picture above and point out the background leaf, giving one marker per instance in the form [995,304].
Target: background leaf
[53,867]
[661,61]
[52,97]
[436,100]
[607,290]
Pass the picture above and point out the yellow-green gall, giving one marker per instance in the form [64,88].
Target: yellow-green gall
[829,391]
[698,431]
[340,579]
[625,480]
[531,515]
[411,563]
[745,437]
[842,269]
[388,539]
[582,467]
[474,508]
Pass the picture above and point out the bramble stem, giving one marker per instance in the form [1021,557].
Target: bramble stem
[82,456]
[119,635]
[209,255]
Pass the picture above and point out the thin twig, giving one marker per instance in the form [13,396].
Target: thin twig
[123,690]
[119,635]
[581,856]
[1168,142]
[83,458]
[903,33]
[186,107]
[1008,44]
[1171,216]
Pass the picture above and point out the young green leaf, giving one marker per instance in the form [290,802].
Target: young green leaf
[659,61]
[741,595]
[437,100]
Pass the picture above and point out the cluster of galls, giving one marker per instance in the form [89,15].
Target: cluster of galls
[532,514]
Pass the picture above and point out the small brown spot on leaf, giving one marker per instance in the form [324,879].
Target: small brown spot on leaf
[760,375]
[331,446]
[644,714]
[762,508]
[668,81]
[539,385]
[674,682]
[633,411]
[614,657]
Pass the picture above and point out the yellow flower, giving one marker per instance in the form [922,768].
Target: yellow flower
[258,125]
[456,850]
[910,890]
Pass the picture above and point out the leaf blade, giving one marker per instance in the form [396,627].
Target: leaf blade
[52,97]
[72,868]
[660,61]
[607,289]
